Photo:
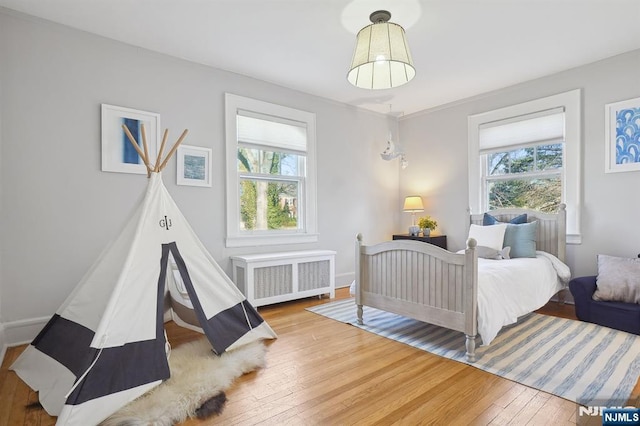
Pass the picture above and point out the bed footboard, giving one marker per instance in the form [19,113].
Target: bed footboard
[420,281]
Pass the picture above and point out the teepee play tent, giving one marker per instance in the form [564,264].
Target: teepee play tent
[106,345]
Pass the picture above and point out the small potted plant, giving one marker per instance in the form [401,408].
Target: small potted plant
[427,224]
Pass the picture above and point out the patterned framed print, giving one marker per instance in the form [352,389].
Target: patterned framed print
[622,127]
[194,166]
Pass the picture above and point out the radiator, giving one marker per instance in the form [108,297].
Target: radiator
[278,277]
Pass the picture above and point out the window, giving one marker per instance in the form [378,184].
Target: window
[270,173]
[525,178]
[528,156]
[522,162]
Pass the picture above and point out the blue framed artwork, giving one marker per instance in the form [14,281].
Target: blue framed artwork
[622,124]
[194,166]
[118,155]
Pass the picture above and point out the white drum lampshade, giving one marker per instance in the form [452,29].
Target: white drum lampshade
[381,59]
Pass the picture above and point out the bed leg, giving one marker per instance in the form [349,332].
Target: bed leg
[562,296]
[471,348]
[360,322]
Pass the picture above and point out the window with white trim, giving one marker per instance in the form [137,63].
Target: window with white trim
[522,162]
[270,173]
[528,155]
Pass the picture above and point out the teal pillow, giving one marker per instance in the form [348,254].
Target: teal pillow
[522,239]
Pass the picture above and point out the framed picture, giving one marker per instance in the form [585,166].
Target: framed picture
[118,155]
[622,127]
[194,166]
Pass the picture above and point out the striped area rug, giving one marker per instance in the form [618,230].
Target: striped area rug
[575,360]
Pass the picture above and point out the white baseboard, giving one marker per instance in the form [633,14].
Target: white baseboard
[344,280]
[22,331]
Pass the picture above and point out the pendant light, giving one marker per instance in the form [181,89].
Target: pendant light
[381,59]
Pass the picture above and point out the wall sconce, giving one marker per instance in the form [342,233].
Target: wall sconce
[413,204]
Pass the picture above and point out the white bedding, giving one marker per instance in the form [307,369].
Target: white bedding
[508,289]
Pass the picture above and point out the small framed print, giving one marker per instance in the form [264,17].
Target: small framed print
[194,166]
[622,127]
[118,154]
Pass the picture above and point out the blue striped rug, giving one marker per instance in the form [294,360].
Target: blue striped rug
[575,360]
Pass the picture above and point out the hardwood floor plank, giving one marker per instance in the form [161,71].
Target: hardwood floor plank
[511,411]
[550,412]
[46,420]
[365,395]
[442,401]
[508,397]
[9,392]
[474,410]
[531,409]
[403,397]
[486,416]
[18,414]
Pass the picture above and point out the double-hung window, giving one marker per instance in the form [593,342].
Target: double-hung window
[522,162]
[270,173]
[528,156]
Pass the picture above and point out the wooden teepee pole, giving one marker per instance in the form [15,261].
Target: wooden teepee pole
[146,149]
[164,142]
[173,149]
[145,155]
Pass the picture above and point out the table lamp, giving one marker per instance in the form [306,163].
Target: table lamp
[413,204]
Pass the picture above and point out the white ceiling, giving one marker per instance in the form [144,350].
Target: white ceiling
[460,48]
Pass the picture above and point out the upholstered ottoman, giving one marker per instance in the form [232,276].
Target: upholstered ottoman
[618,315]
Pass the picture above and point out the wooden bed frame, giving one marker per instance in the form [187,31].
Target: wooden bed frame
[425,282]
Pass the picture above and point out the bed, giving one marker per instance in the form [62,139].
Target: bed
[460,291]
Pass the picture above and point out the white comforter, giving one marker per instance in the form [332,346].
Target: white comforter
[508,289]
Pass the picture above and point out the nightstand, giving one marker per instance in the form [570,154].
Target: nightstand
[436,240]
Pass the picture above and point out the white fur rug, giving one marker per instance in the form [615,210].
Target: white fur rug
[197,374]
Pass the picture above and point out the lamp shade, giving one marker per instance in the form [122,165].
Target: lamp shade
[413,203]
[381,59]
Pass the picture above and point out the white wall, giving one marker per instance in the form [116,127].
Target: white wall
[61,210]
[610,204]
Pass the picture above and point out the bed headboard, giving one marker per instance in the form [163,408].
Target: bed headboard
[552,227]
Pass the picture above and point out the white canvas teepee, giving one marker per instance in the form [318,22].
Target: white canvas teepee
[105,346]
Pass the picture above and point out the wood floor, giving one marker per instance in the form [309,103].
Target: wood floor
[322,372]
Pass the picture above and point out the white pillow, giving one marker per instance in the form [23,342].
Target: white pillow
[489,236]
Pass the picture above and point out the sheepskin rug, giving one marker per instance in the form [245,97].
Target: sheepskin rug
[195,388]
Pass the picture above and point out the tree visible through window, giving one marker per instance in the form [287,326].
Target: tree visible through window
[269,189]
[529,177]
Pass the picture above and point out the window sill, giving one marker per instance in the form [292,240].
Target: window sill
[574,238]
[269,240]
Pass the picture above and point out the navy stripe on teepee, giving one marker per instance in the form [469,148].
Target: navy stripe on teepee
[575,360]
[225,327]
